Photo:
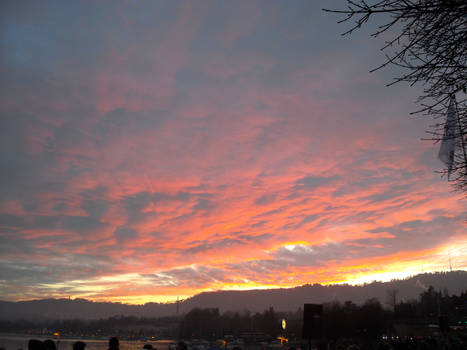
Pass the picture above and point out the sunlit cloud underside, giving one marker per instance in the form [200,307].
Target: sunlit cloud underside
[155,150]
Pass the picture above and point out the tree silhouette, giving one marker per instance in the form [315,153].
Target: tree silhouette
[429,46]
[392,298]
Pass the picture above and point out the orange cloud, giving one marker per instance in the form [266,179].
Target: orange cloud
[154,157]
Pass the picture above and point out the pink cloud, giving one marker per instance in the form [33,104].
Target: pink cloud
[168,155]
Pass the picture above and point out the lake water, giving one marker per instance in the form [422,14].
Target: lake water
[15,342]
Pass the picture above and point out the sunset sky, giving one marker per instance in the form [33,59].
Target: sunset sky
[156,149]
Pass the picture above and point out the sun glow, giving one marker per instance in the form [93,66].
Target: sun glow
[292,245]
[450,256]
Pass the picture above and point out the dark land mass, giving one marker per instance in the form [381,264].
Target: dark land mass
[287,300]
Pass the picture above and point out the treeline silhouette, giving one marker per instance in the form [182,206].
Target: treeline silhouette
[124,326]
[210,324]
[367,321]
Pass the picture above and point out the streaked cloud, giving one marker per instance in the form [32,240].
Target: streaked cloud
[151,150]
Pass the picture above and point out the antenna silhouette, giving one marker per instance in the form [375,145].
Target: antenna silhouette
[450,265]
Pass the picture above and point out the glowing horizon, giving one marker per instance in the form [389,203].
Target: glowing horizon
[170,299]
[409,270]
[156,150]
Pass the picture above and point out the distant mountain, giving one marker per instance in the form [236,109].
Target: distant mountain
[289,299]
[78,308]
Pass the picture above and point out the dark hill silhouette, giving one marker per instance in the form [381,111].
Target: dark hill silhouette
[77,308]
[292,298]
[254,300]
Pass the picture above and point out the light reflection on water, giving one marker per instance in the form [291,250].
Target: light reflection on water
[15,342]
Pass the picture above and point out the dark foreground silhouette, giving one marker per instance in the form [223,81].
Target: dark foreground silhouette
[457,342]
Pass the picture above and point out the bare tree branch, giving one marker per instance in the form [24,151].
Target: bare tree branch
[430,49]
